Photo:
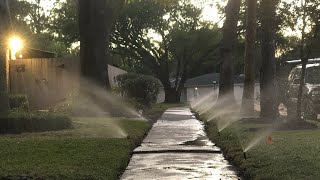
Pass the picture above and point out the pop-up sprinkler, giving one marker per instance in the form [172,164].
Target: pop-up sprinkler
[244,155]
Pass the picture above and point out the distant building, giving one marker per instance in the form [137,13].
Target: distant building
[209,84]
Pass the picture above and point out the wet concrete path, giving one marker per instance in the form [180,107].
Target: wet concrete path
[178,148]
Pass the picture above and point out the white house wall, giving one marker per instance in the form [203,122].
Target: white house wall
[200,92]
[113,72]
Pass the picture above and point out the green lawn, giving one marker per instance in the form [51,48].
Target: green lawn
[293,154]
[92,150]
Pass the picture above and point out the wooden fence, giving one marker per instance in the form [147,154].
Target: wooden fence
[48,81]
[45,82]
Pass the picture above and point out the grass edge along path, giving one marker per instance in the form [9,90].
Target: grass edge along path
[64,155]
[89,151]
[293,154]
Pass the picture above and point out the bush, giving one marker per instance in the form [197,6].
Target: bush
[19,102]
[144,89]
[21,121]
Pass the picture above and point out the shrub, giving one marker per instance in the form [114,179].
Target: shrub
[19,102]
[144,89]
[21,121]
[64,107]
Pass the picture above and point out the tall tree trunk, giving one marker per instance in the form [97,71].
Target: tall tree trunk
[171,95]
[95,27]
[4,27]
[247,106]
[268,103]
[305,53]
[226,50]
[304,61]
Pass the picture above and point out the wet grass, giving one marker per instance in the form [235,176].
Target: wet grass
[89,151]
[294,154]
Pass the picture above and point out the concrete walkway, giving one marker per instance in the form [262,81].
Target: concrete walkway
[178,148]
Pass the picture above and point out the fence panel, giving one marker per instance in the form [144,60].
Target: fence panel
[44,81]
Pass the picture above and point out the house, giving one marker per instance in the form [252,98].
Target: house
[204,85]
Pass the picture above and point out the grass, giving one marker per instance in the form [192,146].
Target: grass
[96,148]
[293,154]
[157,110]
[89,151]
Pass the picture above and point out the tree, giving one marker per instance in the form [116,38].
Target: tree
[309,12]
[31,22]
[226,50]
[64,22]
[248,91]
[166,40]
[95,25]
[269,106]
[4,18]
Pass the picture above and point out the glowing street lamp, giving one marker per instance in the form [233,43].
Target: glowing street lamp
[15,44]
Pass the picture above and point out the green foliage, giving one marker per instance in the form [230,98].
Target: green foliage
[64,22]
[144,89]
[167,41]
[19,102]
[21,121]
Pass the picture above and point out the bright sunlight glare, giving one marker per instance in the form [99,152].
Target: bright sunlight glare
[15,43]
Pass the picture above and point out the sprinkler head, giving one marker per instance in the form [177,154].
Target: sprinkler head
[244,155]
[218,133]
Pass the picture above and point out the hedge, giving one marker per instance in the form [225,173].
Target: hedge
[20,121]
[144,89]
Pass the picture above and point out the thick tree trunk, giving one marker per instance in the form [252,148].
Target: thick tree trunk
[226,50]
[172,95]
[304,56]
[268,103]
[247,106]
[4,27]
[95,27]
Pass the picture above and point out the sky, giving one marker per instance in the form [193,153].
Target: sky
[210,12]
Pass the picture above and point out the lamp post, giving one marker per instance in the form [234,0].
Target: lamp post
[15,44]
[214,87]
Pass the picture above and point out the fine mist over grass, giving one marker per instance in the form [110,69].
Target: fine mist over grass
[93,149]
[96,101]
[223,111]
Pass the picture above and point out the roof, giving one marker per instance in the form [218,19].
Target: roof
[209,79]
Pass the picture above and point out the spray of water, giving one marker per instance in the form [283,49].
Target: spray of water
[97,102]
[226,121]
[98,127]
[196,103]
[261,136]
[94,102]
[225,112]
[257,140]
